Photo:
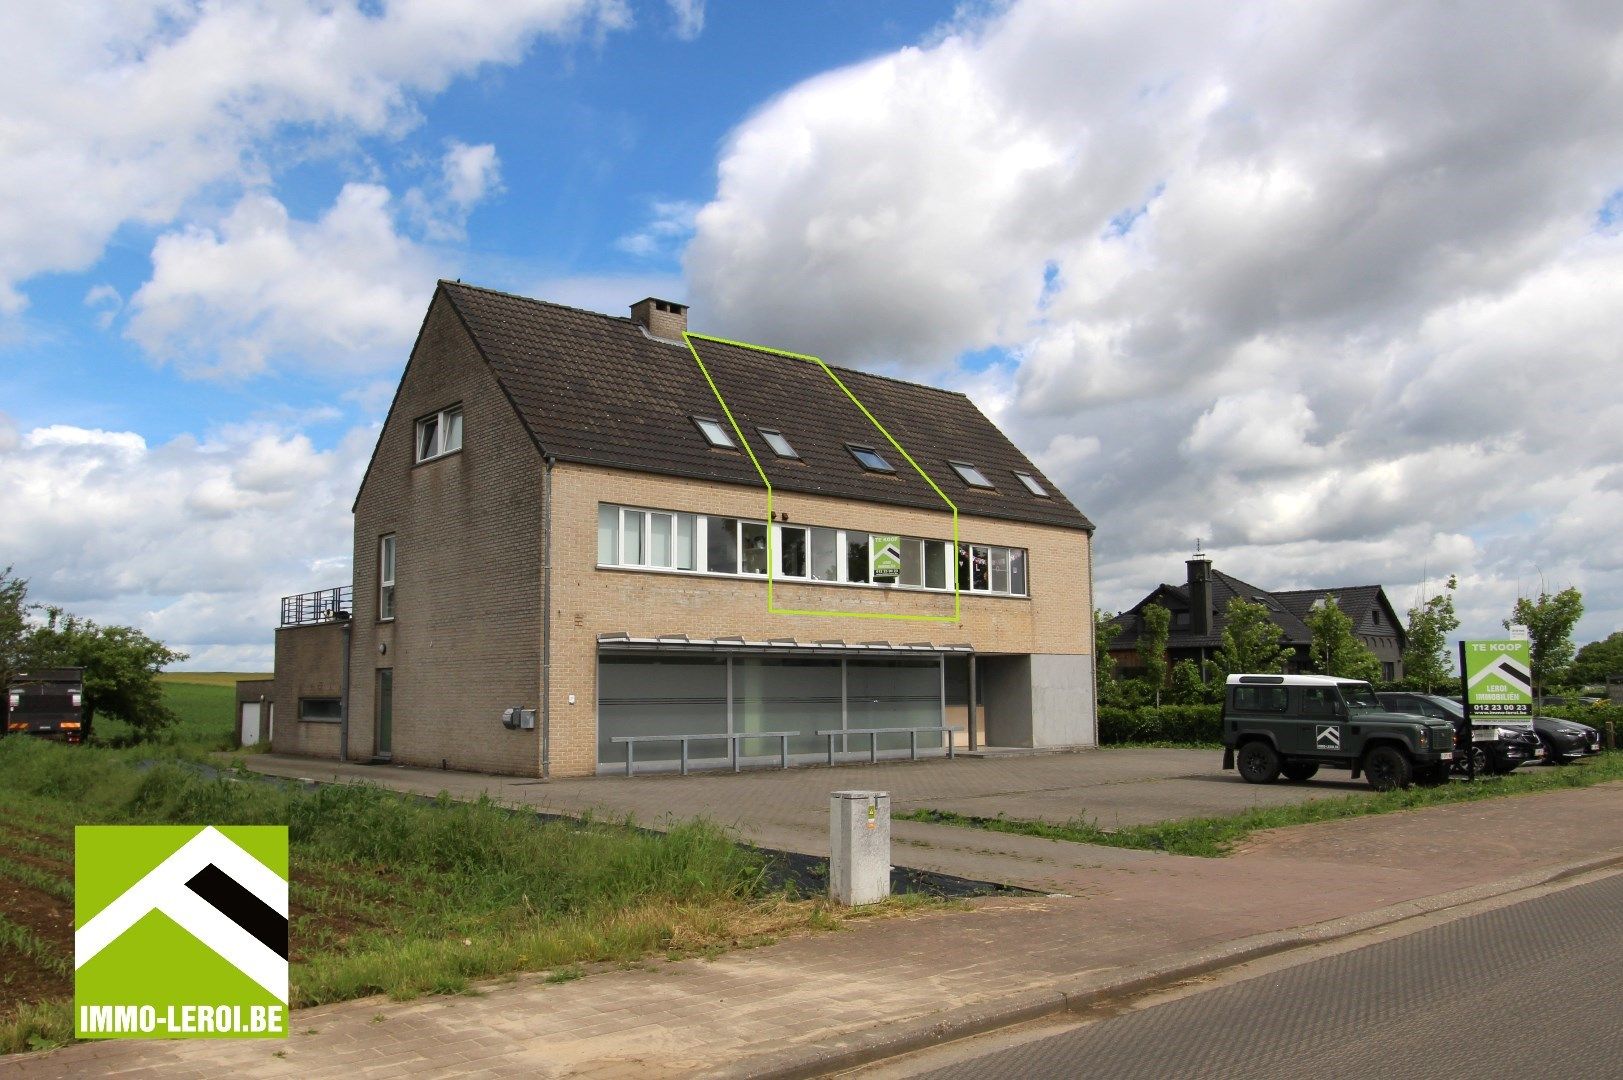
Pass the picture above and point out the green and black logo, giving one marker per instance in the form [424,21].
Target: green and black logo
[181,931]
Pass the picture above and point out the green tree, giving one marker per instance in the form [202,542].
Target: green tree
[1105,630]
[1187,689]
[1599,660]
[1152,645]
[1428,662]
[1549,621]
[121,666]
[14,630]
[1336,650]
[1252,642]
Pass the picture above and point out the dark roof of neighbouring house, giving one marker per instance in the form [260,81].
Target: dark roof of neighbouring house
[596,389]
[1359,602]
[1289,610]
[1224,587]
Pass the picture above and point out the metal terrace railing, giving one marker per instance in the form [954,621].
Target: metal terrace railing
[323,605]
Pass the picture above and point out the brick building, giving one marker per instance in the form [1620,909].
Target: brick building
[564,523]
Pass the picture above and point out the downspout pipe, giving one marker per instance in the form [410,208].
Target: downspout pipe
[343,697]
[546,618]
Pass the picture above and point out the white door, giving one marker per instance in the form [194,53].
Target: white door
[250,723]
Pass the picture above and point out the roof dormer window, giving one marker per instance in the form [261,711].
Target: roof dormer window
[714,433]
[969,474]
[780,446]
[869,458]
[1032,484]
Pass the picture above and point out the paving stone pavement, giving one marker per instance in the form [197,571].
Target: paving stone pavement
[1122,910]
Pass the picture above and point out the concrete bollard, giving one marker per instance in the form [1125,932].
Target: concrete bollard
[859,847]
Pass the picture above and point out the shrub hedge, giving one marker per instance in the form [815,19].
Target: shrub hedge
[1159,724]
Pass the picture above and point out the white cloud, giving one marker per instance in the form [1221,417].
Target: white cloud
[689,16]
[187,539]
[344,292]
[467,176]
[117,111]
[1327,285]
[670,223]
[470,173]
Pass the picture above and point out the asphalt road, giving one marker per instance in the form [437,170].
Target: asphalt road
[1533,989]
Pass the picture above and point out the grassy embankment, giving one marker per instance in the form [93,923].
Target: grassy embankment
[389,893]
[1214,837]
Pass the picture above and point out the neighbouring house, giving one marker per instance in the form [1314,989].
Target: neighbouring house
[1199,615]
[563,540]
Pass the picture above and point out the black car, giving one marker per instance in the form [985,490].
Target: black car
[1565,740]
[1497,747]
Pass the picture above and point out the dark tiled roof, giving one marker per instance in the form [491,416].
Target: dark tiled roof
[1360,602]
[1290,610]
[595,389]
[1224,587]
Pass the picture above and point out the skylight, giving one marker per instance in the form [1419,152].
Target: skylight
[780,446]
[714,433]
[1033,485]
[869,459]
[969,474]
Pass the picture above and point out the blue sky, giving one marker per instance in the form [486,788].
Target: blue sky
[1330,286]
[592,133]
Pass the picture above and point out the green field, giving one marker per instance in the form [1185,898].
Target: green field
[210,678]
[204,701]
[389,893]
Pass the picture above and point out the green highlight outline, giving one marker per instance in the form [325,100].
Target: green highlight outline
[771,561]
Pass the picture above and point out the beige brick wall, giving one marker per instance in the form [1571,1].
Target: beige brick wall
[465,643]
[309,664]
[588,601]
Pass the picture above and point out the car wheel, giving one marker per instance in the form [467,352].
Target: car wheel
[1299,770]
[1387,768]
[1258,763]
[1480,761]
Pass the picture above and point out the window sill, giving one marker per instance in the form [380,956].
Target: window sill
[315,720]
[437,457]
[761,579]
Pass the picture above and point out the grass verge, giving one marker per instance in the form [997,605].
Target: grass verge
[1214,837]
[398,895]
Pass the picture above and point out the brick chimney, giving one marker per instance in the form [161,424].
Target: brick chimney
[661,318]
[1200,595]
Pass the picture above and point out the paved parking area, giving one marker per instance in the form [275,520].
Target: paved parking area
[788,809]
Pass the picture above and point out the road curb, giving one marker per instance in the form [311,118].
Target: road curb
[1066,995]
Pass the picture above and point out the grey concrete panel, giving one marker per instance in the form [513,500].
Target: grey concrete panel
[1062,711]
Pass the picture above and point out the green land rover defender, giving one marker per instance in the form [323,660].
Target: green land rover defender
[1292,725]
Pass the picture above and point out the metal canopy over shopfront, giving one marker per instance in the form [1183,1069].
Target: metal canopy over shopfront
[676,685]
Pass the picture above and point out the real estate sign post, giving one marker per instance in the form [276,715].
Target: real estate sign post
[1496,679]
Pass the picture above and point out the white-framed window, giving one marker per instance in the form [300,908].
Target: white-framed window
[638,538]
[439,433]
[660,539]
[1032,484]
[780,445]
[987,568]
[386,554]
[793,556]
[969,474]
[714,433]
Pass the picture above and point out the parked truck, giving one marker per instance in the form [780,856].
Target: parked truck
[48,703]
[1293,725]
